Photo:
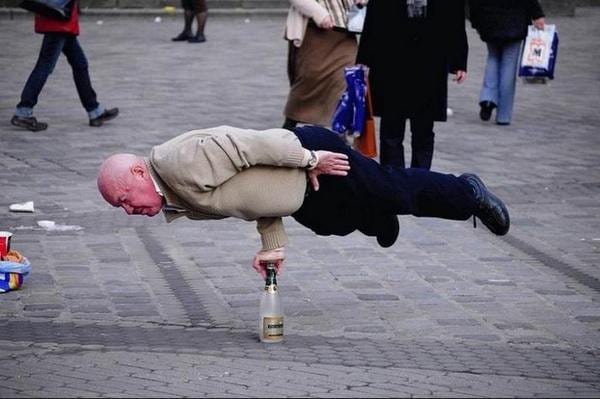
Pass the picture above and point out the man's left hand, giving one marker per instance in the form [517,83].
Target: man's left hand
[460,77]
[539,23]
[330,163]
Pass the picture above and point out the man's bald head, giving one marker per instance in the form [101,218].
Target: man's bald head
[125,181]
[113,172]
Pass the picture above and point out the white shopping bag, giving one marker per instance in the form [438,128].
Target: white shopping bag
[539,52]
[356,18]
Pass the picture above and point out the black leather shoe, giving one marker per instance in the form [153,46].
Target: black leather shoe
[182,37]
[199,38]
[388,230]
[485,113]
[491,210]
[107,115]
[29,123]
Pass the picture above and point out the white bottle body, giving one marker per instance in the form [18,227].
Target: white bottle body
[270,322]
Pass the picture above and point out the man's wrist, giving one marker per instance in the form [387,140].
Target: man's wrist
[313,161]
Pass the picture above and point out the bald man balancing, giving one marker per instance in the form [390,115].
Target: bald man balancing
[308,173]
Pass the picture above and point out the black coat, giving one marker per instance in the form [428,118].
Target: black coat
[503,20]
[409,59]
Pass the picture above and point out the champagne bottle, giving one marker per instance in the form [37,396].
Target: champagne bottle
[271,312]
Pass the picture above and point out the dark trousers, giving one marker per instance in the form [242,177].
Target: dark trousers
[392,135]
[344,204]
[52,45]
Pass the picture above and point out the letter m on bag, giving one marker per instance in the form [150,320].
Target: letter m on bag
[536,51]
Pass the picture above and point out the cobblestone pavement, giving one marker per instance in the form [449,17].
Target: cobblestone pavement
[131,306]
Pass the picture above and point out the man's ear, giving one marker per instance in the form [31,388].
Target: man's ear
[138,170]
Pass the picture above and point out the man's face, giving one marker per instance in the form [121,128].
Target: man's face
[137,195]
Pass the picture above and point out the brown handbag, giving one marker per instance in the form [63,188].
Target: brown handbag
[366,144]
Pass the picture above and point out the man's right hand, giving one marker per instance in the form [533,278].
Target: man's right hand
[276,256]
[330,163]
[326,23]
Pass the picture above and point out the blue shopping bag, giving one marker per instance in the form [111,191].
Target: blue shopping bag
[538,59]
[12,274]
[350,113]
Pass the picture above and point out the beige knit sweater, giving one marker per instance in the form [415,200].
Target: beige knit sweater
[226,171]
[301,11]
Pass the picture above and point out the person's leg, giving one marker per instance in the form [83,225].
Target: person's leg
[391,133]
[507,81]
[81,75]
[422,142]
[394,190]
[200,10]
[52,45]
[337,208]
[290,123]
[96,112]
[488,96]
[188,18]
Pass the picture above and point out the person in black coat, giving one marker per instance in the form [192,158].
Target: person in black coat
[502,24]
[409,47]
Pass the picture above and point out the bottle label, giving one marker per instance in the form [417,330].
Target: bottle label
[272,328]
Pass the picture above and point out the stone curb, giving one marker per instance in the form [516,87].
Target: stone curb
[144,12]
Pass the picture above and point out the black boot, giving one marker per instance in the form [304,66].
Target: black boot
[186,34]
[485,113]
[199,38]
[182,37]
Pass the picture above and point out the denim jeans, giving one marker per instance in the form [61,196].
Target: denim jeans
[499,80]
[392,135]
[344,204]
[52,45]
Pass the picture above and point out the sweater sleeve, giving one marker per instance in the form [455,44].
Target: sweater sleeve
[272,232]
[369,43]
[310,9]
[459,47]
[474,6]
[534,9]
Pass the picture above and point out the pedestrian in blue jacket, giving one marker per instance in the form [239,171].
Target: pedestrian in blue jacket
[502,25]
